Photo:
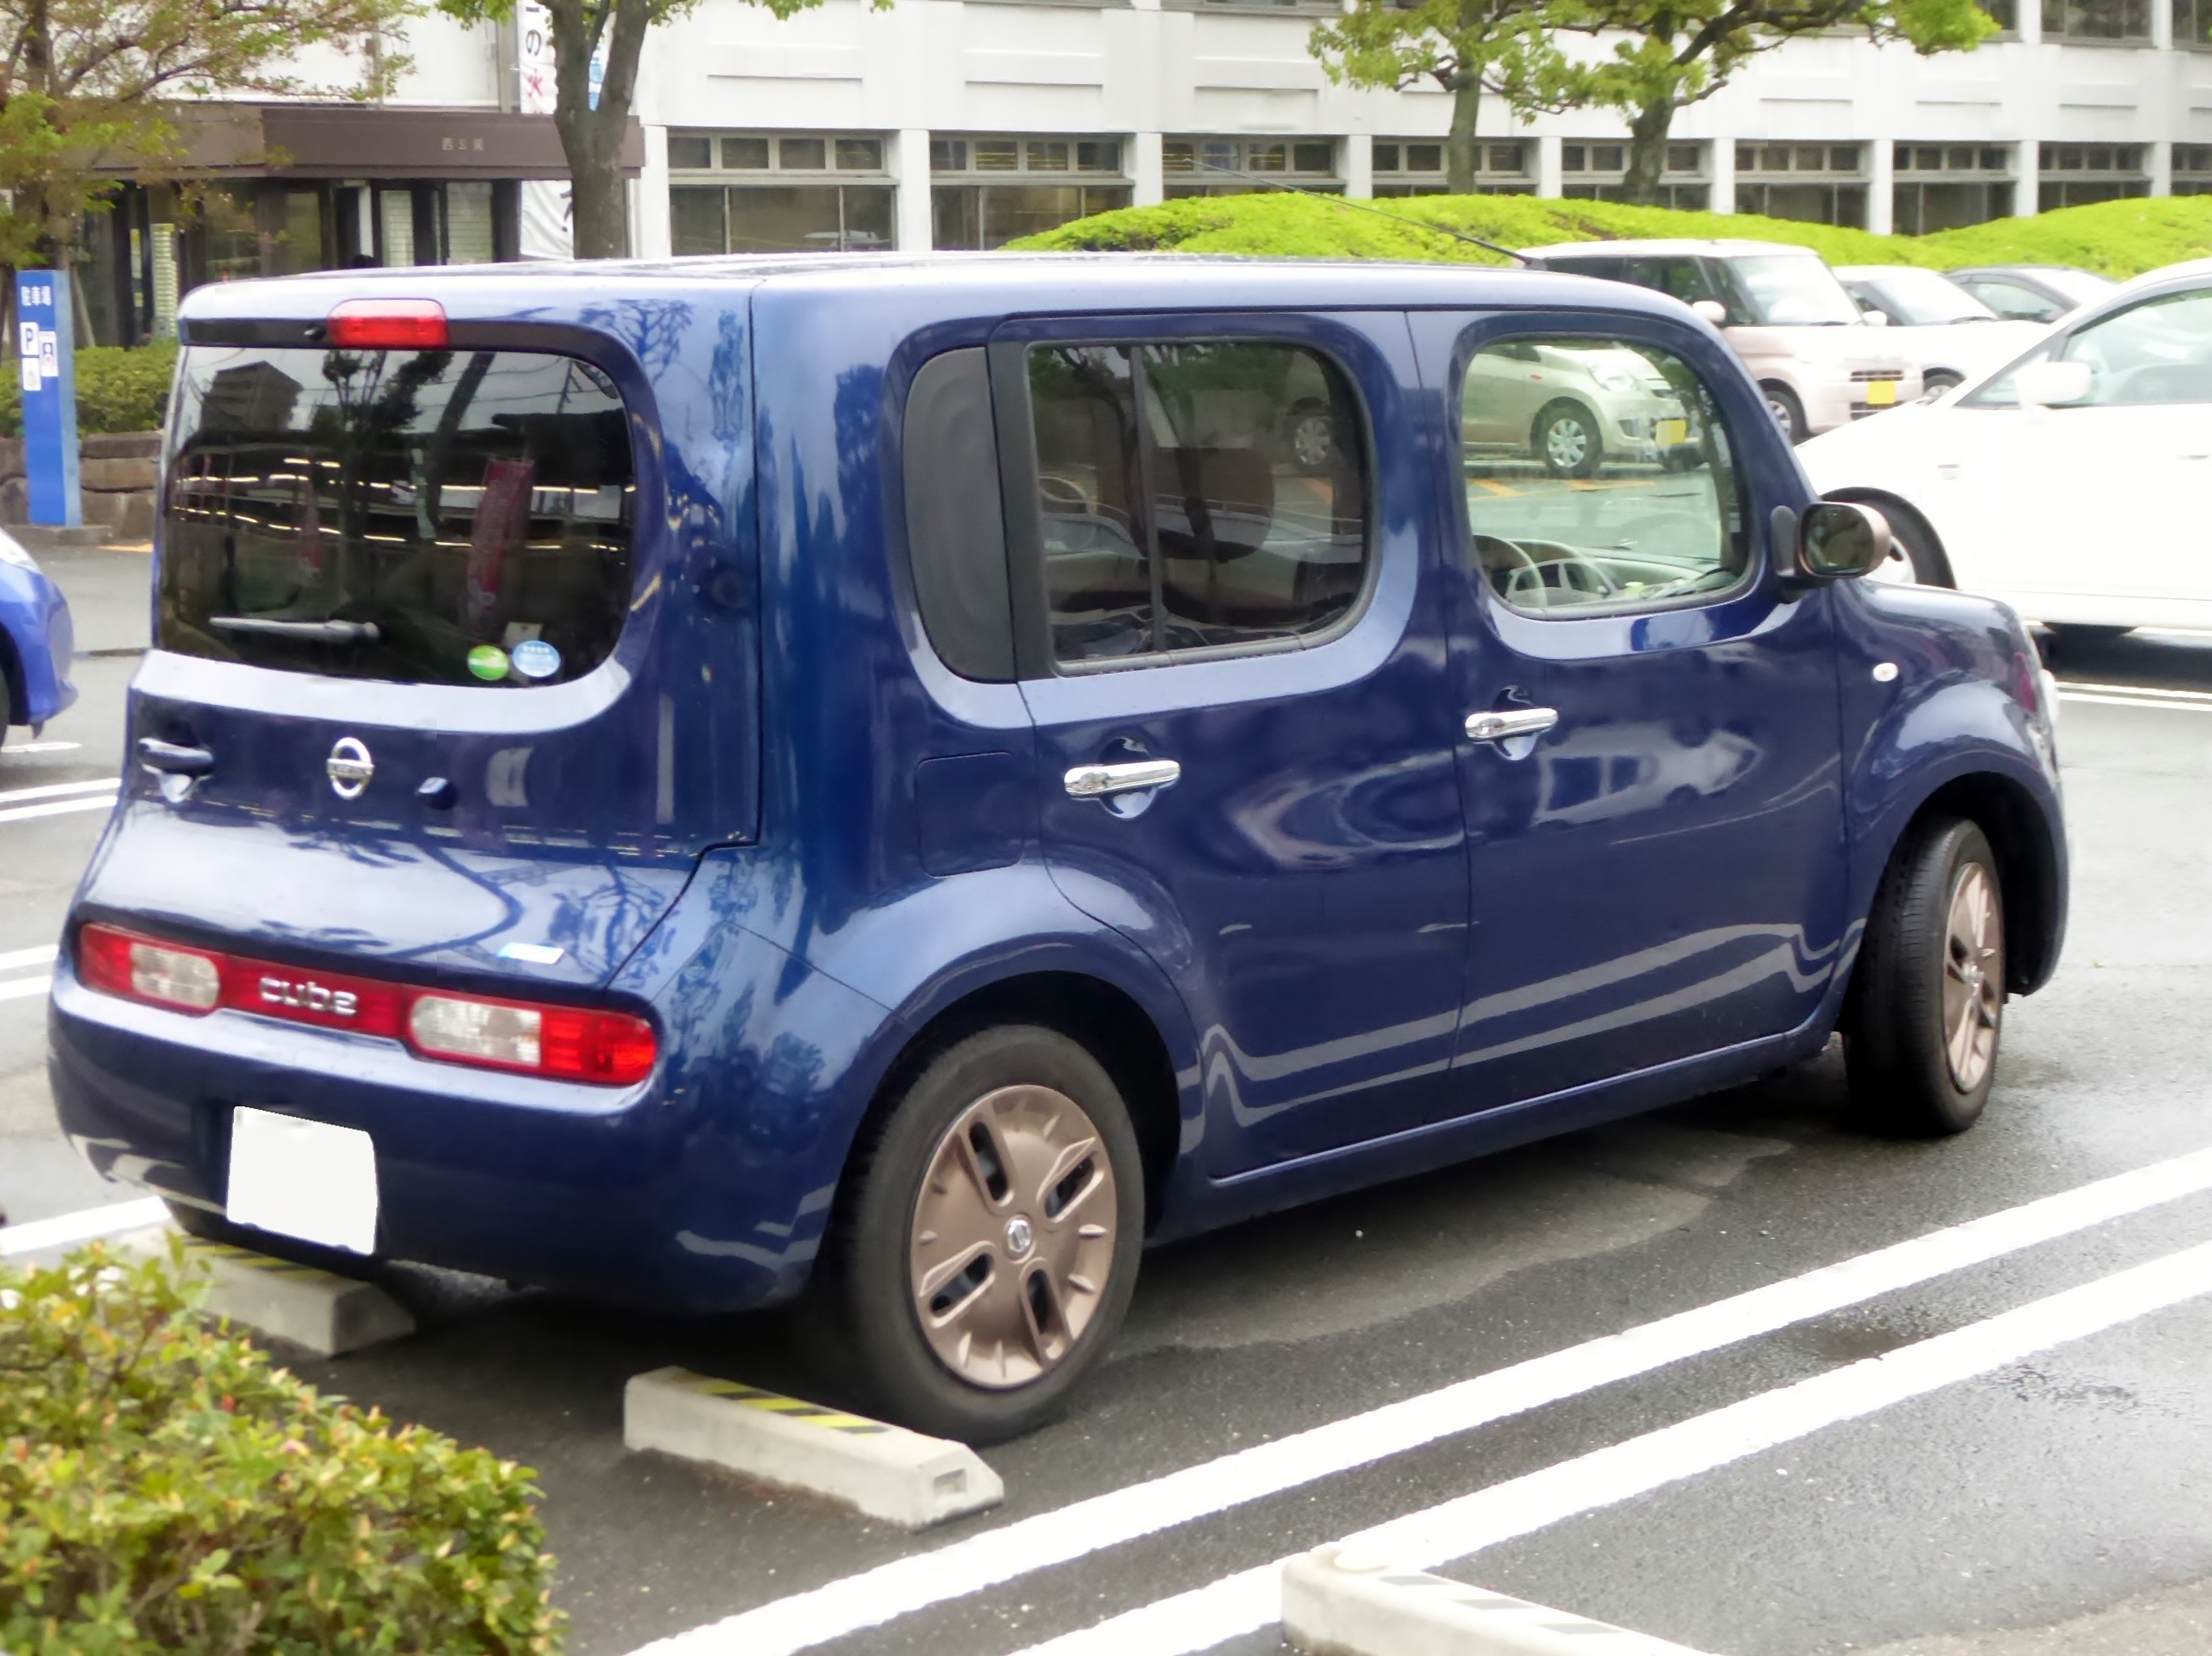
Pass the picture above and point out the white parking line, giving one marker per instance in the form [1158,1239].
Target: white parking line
[56,789]
[22,988]
[2161,703]
[57,799]
[1250,1600]
[43,747]
[874,1597]
[42,955]
[66,1229]
[2156,692]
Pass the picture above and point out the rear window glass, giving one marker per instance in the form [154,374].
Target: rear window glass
[426,517]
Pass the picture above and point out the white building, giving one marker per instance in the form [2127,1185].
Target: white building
[962,123]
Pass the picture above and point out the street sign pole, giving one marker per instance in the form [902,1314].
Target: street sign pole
[46,351]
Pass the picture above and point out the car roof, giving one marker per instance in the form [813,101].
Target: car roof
[970,284]
[2015,270]
[1718,247]
[1868,272]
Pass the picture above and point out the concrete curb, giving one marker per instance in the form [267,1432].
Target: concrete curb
[1338,1603]
[324,1312]
[886,1472]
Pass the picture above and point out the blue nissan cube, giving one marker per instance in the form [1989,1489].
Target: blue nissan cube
[902,780]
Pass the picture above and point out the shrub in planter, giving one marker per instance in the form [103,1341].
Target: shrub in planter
[117,390]
[163,1487]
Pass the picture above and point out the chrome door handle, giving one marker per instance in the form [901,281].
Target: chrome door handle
[1509,721]
[1097,781]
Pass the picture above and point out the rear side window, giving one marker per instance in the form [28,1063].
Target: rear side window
[424,516]
[1195,496]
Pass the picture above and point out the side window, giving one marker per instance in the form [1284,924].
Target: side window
[2010,299]
[954,534]
[2159,351]
[1195,495]
[1599,478]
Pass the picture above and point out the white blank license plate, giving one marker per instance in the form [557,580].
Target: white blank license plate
[303,1179]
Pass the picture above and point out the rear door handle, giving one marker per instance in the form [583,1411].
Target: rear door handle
[1505,722]
[158,755]
[1097,781]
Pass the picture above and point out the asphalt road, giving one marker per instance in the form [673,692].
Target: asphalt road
[2050,1500]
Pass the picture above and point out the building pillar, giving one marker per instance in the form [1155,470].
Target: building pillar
[652,234]
[1882,188]
[2026,188]
[2158,162]
[1147,182]
[911,220]
[1359,167]
[1723,172]
[1547,165]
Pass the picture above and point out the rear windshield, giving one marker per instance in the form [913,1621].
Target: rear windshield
[428,517]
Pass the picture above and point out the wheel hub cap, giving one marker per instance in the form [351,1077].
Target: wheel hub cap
[1013,1236]
[1974,976]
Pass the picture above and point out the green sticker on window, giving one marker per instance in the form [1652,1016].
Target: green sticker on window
[488,661]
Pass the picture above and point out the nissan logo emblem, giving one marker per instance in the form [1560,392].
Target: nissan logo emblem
[349,768]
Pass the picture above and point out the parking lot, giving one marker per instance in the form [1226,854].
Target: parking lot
[2032,1486]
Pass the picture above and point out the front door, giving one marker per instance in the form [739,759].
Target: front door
[1651,762]
[1240,689]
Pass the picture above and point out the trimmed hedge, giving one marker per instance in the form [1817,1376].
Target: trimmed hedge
[2120,238]
[118,389]
[163,1488]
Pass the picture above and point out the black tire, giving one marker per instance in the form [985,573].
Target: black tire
[1788,412]
[1567,439]
[867,1295]
[1898,1052]
[2075,632]
[1937,381]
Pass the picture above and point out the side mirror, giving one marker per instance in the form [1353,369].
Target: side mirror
[1712,311]
[1875,319]
[2052,385]
[1839,540]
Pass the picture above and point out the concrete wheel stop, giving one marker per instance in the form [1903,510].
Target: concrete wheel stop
[885,1472]
[301,1304]
[1338,1602]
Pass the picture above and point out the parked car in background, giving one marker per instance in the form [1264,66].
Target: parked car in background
[2033,293]
[1782,310]
[37,639]
[896,783]
[1572,405]
[2072,482]
[1948,333]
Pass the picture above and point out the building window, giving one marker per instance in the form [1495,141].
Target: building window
[2004,13]
[1820,184]
[2193,169]
[1594,172]
[2073,175]
[1293,7]
[1415,166]
[2193,23]
[771,193]
[1238,166]
[2097,20]
[986,191]
[1942,187]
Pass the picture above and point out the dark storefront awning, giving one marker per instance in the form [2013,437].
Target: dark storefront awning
[351,141]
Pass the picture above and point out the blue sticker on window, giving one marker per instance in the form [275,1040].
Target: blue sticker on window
[534,659]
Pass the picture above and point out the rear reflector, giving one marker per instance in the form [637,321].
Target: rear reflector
[388,324]
[565,1043]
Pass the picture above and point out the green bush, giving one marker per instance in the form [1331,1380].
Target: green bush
[163,1488]
[2120,238]
[117,390]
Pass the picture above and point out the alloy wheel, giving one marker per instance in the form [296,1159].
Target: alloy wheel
[1013,1236]
[1974,976]
[1567,443]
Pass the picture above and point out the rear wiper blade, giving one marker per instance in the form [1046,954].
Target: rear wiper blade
[321,632]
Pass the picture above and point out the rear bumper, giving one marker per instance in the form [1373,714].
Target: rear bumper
[627,1195]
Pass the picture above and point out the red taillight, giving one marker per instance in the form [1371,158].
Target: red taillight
[564,1043]
[388,325]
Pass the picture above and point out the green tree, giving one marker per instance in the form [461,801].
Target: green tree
[1504,48]
[592,138]
[85,87]
[1681,52]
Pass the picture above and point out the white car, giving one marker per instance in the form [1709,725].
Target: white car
[2073,482]
[1948,333]
[1781,311]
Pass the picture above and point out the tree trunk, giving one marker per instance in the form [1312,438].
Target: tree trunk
[1648,151]
[34,202]
[1459,148]
[592,139]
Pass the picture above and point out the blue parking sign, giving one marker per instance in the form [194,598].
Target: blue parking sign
[46,356]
